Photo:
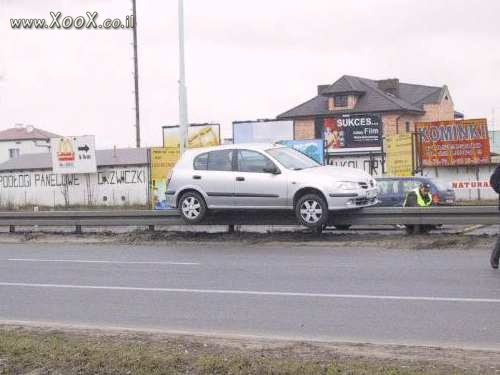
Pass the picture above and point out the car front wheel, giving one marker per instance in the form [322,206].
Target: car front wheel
[192,207]
[311,211]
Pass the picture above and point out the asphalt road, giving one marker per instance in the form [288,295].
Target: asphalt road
[441,298]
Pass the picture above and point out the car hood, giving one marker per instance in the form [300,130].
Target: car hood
[337,173]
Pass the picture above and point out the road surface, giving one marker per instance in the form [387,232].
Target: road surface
[441,298]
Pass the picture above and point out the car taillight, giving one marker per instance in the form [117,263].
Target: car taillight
[435,199]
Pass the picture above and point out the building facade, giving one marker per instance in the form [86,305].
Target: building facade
[394,105]
[400,105]
[122,179]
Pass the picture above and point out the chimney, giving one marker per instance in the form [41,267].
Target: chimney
[322,88]
[389,86]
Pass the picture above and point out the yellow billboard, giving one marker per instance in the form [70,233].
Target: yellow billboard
[204,135]
[399,155]
[162,160]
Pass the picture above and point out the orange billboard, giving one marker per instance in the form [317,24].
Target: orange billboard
[456,142]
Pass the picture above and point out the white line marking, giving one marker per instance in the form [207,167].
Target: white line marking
[102,261]
[254,293]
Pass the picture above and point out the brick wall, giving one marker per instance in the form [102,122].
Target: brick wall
[395,123]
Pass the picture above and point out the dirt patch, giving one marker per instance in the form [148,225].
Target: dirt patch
[48,351]
[394,240]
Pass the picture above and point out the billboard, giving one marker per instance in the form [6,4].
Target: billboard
[162,160]
[451,143]
[72,155]
[264,131]
[199,135]
[313,148]
[399,155]
[353,133]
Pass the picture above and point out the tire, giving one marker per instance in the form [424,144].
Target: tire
[192,207]
[342,227]
[311,211]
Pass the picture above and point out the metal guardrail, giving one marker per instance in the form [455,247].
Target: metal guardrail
[486,215]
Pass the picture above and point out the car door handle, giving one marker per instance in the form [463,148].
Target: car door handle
[196,177]
[240,178]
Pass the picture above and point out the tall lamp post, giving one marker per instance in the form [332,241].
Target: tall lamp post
[136,79]
[183,111]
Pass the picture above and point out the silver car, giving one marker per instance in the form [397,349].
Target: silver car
[265,177]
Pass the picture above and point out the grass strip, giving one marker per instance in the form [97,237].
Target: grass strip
[32,351]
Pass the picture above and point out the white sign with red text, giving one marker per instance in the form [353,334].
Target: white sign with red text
[73,154]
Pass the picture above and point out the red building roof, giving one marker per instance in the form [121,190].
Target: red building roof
[20,133]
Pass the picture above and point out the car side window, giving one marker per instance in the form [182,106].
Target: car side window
[410,185]
[388,186]
[252,161]
[221,160]
[201,162]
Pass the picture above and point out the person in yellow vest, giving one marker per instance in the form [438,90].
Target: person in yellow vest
[419,197]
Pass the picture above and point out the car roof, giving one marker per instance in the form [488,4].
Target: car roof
[248,146]
[403,178]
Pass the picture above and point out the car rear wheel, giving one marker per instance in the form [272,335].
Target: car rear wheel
[311,211]
[192,207]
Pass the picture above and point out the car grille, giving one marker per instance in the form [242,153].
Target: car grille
[365,185]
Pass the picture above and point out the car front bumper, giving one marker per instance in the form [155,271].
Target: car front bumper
[352,199]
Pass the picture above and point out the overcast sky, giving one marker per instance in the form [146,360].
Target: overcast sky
[244,59]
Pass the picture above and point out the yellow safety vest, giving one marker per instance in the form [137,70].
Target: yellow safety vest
[420,200]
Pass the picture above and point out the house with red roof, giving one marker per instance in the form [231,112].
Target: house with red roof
[22,139]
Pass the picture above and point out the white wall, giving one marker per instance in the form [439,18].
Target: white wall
[116,186]
[449,175]
[25,147]
[359,162]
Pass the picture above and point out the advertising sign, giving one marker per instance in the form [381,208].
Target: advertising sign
[199,135]
[264,131]
[72,155]
[471,185]
[450,143]
[312,148]
[162,162]
[399,155]
[353,133]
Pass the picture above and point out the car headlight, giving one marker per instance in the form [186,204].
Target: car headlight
[347,185]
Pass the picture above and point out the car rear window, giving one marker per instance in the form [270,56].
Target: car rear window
[201,162]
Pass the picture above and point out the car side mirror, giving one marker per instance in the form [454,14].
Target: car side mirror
[272,170]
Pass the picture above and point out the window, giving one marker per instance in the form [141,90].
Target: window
[340,101]
[13,153]
[410,185]
[220,160]
[292,159]
[201,162]
[252,161]
[388,186]
[407,125]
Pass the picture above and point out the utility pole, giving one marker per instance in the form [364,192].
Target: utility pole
[183,111]
[136,78]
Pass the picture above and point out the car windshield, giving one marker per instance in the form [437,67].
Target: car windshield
[441,185]
[292,159]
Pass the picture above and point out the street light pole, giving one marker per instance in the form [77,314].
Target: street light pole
[136,78]
[183,111]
